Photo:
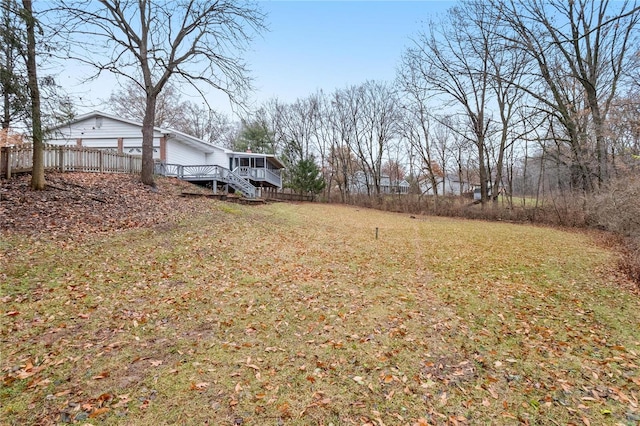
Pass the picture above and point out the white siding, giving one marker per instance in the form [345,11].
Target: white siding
[101,132]
[98,131]
[99,127]
[179,153]
[219,157]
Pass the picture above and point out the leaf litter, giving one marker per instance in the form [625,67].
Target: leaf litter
[296,314]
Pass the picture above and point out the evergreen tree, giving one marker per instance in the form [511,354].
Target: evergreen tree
[306,177]
[255,136]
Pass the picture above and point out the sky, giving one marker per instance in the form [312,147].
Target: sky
[310,45]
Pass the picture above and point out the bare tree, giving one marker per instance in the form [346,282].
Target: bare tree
[323,136]
[31,100]
[204,123]
[173,112]
[580,50]
[37,175]
[130,102]
[416,130]
[452,61]
[375,115]
[296,127]
[507,67]
[442,140]
[13,85]
[341,160]
[193,41]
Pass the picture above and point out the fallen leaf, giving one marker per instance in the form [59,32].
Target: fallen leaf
[105,397]
[101,376]
[359,380]
[98,412]
[493,393]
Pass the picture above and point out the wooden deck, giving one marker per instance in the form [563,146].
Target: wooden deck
[208,172]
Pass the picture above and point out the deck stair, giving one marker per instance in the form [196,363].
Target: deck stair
[206,173]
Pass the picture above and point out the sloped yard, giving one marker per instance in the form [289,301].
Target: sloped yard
[296,314]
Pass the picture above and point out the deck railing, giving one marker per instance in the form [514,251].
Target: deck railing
[205,173]
[19,158]
[192,172]
[260,174]
[273,178]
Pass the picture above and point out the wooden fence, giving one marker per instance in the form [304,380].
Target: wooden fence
[19,159]
[289,196]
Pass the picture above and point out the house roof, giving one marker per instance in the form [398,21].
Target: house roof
[182,137]
[172,133]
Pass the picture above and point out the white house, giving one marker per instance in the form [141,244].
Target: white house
[359,181]
[176,153]
[450,184]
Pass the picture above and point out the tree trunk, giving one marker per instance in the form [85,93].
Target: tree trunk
[482,172]
[37,175]
[495,189]
[147,141]
[8,66]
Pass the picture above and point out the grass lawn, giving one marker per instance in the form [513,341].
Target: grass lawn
[295,314]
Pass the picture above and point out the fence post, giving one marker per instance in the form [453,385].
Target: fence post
[101,166]
[5,158]
[60,150]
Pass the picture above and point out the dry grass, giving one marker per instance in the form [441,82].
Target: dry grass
[296,315]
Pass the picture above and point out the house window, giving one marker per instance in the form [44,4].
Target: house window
[98,122]
[259,163]
[244,162]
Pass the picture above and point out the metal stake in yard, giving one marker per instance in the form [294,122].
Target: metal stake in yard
[376,232]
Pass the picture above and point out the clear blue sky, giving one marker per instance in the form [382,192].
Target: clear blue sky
[315,45]
[331,44]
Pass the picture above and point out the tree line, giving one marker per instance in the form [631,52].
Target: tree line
[515,97]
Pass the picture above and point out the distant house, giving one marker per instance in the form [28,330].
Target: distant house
[449,184]
[359,182]
[176,153]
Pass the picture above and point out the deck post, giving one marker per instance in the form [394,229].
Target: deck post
[215,187]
